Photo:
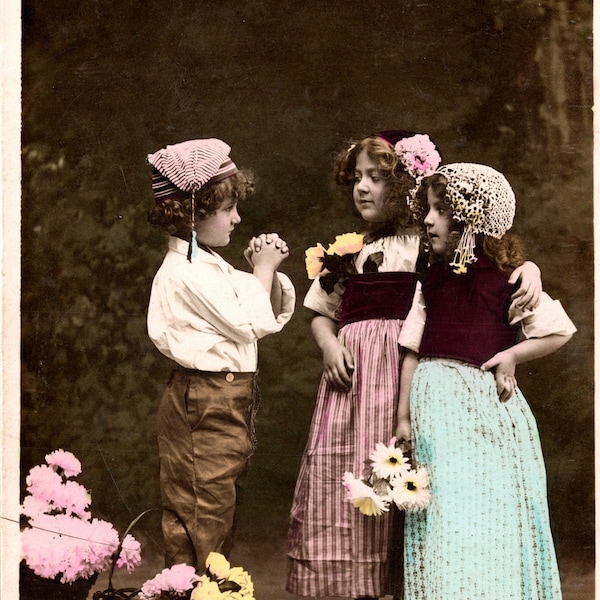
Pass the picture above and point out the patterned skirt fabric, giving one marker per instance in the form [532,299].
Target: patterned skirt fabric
[486,533]
[334,550]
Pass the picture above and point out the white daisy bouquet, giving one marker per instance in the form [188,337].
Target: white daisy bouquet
[61,540]
[389,477]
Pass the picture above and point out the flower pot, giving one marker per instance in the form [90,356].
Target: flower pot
[34,587]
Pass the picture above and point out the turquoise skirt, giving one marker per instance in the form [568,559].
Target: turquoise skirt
[486,533]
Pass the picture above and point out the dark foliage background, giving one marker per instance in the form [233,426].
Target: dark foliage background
[286,84]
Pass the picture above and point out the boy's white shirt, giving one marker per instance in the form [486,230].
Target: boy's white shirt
[547,318]
[207,315]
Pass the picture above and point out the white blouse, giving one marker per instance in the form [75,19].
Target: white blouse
[400,253]
[206,315]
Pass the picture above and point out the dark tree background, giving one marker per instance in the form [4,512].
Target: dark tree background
[286,84]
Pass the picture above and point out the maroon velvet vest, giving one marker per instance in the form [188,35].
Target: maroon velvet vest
[377,296]
[467,314]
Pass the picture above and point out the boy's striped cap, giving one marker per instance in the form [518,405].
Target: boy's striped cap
[190,165]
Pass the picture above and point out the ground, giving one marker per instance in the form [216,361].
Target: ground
[260,549]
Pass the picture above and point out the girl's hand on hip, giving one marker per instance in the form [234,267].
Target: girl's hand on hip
[504,368]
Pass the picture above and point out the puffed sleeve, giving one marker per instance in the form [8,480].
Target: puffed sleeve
[319,301]
[288,298]
[547,318]
[414,324]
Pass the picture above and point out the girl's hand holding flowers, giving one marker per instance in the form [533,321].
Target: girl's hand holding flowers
[389,478]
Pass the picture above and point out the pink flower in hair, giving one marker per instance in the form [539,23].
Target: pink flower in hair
[419,155]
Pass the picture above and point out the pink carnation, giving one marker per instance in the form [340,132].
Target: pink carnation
[130,556]
[62,539]
[74,498]
[43,483]
[176,580]
[419,155]
[60,459]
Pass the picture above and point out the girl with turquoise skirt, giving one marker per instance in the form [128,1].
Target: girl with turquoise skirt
[486,533]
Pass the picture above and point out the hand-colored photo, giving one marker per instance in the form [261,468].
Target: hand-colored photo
[306,302]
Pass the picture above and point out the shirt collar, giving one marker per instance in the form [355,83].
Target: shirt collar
[181,247]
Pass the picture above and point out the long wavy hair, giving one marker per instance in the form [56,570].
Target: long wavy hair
[507,252]
[173,213]
[399,182]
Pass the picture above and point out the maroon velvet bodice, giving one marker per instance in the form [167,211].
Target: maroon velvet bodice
[467,314]
[377,296]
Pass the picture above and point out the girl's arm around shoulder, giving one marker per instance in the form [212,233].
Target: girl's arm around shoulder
[529,277]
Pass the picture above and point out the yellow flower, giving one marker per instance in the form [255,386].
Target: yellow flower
[364,497]
[347,243]
[314,262]
[371,505]
[206,590]
[242,578]
[218,565]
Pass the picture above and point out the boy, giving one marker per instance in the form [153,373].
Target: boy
[207,317]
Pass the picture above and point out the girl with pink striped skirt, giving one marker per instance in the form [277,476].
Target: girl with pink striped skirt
[362,291]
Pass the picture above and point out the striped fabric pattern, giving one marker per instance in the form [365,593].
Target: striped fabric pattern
[190,165]
[334,550]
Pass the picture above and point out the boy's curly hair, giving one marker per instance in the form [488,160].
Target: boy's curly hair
[507,252]
[173,213]
[390,169]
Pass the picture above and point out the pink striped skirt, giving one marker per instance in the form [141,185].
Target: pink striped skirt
[333,549]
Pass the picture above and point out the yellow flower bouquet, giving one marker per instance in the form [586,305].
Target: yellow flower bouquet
[334,264]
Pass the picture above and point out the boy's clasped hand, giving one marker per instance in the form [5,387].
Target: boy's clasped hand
[266,248]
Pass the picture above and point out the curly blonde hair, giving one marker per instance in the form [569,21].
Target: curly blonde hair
[507,252]
[399,182]
[173,213]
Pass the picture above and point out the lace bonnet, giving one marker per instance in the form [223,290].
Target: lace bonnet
[482,198]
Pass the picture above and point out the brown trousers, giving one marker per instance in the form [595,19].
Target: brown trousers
[205,438]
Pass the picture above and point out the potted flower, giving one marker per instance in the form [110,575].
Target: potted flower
[62,546]
[220,582]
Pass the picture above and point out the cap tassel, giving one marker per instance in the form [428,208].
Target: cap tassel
[193,249]
[464,254]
